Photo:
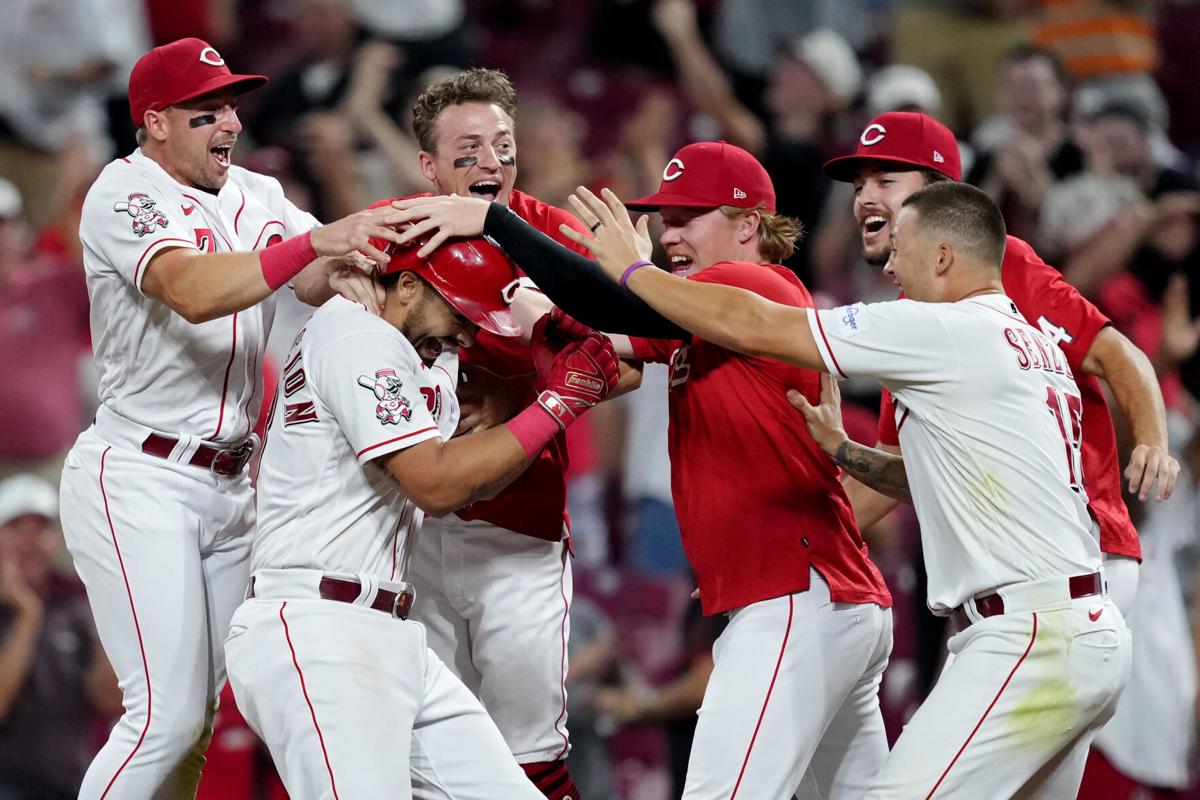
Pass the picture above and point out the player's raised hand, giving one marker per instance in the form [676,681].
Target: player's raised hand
[1149,464]
[442,217]
[615,242]
[824,420]
[567,326]
[354,233]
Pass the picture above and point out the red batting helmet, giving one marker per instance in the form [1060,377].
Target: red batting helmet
[471,275]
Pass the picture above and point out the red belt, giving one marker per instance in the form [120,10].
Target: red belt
[991,605]
[221,460]
[347,590]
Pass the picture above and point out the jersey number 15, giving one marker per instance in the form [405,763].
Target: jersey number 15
[1068,413]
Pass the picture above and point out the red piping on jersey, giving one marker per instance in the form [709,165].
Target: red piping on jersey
[250,397]
[225,385]
[397,439]
[1032,639]
[562,586]
[264,230]
[903,419]
[828,349]
[238,215]
[136,626]
[215,227]
[782,649]
[146,252]
[126,160]
[304,689]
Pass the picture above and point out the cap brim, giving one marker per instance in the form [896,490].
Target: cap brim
[239,83]
[845,168]
[654,202]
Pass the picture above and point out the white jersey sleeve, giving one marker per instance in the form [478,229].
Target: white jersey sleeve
[374,390]
[902,342]
[127,219]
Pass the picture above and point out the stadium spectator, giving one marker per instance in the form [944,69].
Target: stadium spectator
[43,347]
[53,674]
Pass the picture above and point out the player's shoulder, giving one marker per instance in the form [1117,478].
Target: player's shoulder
[347,322]
[122,178]
[263,187]
[773,281]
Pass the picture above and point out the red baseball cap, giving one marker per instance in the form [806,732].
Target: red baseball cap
[179,71]
[711,174]
[901,137]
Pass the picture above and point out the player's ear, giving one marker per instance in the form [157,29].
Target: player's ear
[156,124]
[408,287]
[945,257]
[748,225]
[427,166]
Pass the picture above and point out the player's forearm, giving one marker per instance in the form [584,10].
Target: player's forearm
[461,471]
[311,286]
[878,470]
[730,317]
[574,283]
[1130,374]
[16,656]
[869,505]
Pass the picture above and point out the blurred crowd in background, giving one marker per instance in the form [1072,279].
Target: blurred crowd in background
[1081,118]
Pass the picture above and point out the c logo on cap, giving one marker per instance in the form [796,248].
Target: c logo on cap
[873,134]
[211,57]
[668,175]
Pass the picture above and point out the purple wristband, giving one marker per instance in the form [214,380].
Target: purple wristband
[632,268]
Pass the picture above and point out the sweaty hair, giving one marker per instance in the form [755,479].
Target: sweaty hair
[966,215]
[932,176]
[472,86]
[777,234]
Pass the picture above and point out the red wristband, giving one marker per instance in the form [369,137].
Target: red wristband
[284,261]
[534,428]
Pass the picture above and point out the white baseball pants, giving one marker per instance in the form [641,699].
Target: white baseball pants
[1016,707]
[792,706]
[163,549]
[352,703]
[496,606]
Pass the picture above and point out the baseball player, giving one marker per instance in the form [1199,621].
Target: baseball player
[323,661]
[495,578]
[157,508]
[991,436]
[792,704]
[900,152]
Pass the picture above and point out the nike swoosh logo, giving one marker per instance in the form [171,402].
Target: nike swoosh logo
[187,210]
[1095,615]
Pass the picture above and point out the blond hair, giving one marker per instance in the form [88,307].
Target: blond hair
[777,234]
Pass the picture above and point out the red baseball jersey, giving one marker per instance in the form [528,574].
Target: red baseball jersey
[758,502]
[1060,312]
[535,503]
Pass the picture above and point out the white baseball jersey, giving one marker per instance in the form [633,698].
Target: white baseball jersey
[989,418]
[352,389]
[156,368]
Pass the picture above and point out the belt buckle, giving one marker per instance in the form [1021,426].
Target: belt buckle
[232,460]
[402,603]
